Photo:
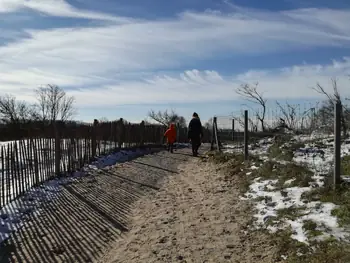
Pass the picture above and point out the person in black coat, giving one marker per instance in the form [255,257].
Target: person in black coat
[195,133]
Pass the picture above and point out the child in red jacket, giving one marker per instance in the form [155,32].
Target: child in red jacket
[170,134]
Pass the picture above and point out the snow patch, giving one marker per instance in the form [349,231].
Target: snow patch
[318,157]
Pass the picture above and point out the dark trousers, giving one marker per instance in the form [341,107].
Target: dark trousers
[196,142]
[170,147]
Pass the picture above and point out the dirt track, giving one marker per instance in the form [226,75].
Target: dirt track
[195,216]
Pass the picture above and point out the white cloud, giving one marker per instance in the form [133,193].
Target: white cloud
[200,86]
[163,44]
[195,86]
[101,56]
[55,8]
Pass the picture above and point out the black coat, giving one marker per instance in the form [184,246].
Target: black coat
[195,128]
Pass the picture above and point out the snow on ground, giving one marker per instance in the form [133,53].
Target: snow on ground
[313,136]
[255,149]
[273,201]
[317,155]
[25,162]
[12,216]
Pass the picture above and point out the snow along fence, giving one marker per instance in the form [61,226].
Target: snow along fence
[40,152]
[282,120]
[242,131]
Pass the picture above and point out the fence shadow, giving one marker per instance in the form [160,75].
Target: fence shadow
[77,226]
[88,214]
[156,167]
[184,154]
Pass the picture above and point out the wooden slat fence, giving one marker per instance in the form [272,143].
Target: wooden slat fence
[39,152]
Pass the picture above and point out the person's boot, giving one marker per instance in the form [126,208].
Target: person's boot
[194,152]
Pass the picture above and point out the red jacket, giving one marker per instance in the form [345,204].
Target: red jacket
[170,134]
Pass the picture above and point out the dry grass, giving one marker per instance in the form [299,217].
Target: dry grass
[282,151]
[325,251]
[282,172]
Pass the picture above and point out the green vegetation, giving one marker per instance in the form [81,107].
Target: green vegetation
[301,175]
[282,150]
[326,251]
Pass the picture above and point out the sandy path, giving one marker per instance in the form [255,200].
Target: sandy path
[90,214]
[195,217]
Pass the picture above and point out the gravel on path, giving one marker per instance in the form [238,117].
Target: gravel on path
[91,213]
[196,216]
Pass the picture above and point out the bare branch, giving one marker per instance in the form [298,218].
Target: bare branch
[251,94]
[165,118]
[328,108]
[14,111]
[209,124]
[54,104]
[332,98]
[289,114]
[322,91]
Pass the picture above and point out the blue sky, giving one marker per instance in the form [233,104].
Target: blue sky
[121,58]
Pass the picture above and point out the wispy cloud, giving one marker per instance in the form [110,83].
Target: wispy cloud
[56,8]
[100,56]
[159,44]
[201,86]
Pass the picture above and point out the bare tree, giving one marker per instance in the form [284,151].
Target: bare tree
[165,118]
[327,110]
[181,121]
[54,104]
[14,111]
[251,94]
[289,113]
[251,124]
[208,124]
[146,122]
[103,119]
[240,120]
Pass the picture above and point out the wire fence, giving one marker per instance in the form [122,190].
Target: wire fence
[320,120]
[309,119]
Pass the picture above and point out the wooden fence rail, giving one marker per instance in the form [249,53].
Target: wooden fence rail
[40,154]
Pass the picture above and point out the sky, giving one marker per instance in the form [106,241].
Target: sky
[122,58]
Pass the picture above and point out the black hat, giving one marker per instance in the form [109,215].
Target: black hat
[195,114]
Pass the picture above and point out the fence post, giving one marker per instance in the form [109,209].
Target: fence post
[142,133]
[162,130]
[121,129]
[94,138]
[33,151]
[177,132]
[246,138]
[216,134]
[233,129]
[337,143]
[213,135]
[57,149]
